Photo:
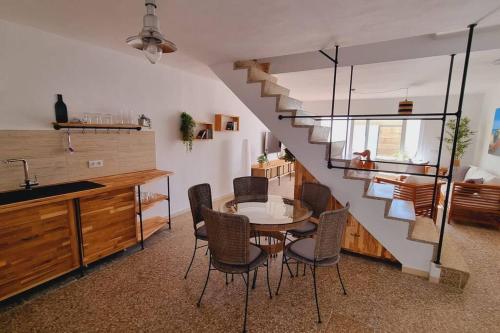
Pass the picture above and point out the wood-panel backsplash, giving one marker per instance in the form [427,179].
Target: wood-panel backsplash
[45,151]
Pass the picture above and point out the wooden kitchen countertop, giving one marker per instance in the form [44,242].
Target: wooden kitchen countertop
[110,183]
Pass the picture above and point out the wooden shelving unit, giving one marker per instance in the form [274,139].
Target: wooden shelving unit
[157,197]
[83,126]
[202,126]
[150,226]
[221,121]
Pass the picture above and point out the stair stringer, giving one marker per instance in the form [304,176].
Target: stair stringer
[392,234]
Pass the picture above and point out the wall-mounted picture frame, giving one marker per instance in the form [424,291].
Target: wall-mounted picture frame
[494,146]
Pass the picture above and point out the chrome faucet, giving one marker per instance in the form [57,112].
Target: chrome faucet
[28,183]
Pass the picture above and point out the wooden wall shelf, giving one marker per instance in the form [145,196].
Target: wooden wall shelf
[202,126]
[222,120]
[83,126]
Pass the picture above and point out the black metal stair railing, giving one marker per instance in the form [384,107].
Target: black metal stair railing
[422,116]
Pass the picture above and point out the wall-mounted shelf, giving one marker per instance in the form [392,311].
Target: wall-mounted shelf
[225,122]
[201,127]
[83,126]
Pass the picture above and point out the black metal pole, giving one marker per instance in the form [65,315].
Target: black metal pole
[140,215]
[348,111]
[450,72]
[333,103]
[369,116]
[454,147]
[79,233]
[168,194]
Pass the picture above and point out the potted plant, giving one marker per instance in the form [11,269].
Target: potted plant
[187,130]
[262,159]
[464,138]
[289,157]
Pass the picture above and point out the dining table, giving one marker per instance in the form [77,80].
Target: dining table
[270,217]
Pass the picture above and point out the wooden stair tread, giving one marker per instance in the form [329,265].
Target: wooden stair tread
[402,210]
[286,103]
[380,191]
[424,230]
[256,74]
[245,64]
[272,89]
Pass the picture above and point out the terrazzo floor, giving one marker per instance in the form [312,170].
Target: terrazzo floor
[144,291]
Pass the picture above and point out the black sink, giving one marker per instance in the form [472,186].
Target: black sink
[46,191]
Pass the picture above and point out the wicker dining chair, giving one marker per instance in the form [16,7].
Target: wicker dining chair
[250,188]
[321,251]
[231,251]
[199,195]
[317,197]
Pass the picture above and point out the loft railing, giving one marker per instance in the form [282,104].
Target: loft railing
[423,116]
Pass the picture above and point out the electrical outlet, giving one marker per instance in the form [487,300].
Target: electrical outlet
[96,164]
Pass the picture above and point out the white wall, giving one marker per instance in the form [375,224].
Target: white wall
[35,65]
[490,104]
[430,130]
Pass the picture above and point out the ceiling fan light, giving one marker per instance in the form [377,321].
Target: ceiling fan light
[150,40]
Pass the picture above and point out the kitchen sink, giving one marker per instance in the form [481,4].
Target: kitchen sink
[46,191]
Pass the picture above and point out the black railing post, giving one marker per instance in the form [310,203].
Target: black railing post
[348,111]
[454,146]
[333,104]
[450,72]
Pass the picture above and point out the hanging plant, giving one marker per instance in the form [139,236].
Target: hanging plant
[187,130]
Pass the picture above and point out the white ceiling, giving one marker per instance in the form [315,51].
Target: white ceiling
[215,31]
[423,77]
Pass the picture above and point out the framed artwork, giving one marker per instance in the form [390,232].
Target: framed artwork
[494,147]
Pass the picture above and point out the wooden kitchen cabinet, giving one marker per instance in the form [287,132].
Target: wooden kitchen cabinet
[108,223]
[36,245]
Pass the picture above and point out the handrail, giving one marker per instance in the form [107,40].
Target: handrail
[388,171]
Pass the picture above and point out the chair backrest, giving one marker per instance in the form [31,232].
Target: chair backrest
[199,195]
[228,236]
[250,188]
[316,196]
[330,231]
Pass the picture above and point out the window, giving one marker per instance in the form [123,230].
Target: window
[386,139]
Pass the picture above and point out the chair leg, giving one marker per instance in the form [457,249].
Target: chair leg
[304,274]
[227,282]
[246,304]
[297,269]
[192,258]
[206,252]
[288,266]
[340,278]
[316,294]
[281,273]
[267,278]
[206,282]
[255,277]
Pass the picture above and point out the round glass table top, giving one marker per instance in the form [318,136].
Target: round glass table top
[275,213]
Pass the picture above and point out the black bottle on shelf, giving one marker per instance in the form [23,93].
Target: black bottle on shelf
[61,110]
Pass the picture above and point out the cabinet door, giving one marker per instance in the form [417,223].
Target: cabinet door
[108,223]
[37,244]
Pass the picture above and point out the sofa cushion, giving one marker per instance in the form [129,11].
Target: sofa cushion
[475,181]
[418,180]
[477,173]
[493,181]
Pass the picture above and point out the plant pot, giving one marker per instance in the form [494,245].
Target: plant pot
[456,163]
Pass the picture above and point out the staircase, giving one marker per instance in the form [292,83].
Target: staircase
[411,239]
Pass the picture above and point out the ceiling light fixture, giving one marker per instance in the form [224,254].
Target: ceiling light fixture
[150,40]
[405,106]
